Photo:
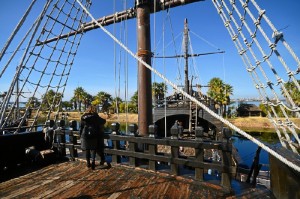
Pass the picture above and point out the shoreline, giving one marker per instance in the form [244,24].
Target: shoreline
[249,124]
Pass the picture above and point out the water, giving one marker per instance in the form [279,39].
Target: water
[247,148]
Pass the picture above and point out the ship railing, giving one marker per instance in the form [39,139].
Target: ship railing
[137,151]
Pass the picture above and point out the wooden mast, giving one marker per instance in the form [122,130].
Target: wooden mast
[144,74]
[186,57]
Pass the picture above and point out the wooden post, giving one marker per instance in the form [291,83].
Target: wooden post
[73,141]
[199,153]
[152,151]
[60,140]
[144,74]
[116,143]
[132,148]
[152,147]
[116,158]
[254,167]
[226,174]
[174,150]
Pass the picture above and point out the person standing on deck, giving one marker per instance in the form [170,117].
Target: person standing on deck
[101,146]
[91,128]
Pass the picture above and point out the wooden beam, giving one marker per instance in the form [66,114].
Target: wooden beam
[121,16]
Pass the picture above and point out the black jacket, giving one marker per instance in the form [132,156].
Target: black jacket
[94,120]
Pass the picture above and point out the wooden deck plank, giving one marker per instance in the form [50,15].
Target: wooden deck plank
[7,184]
[66,179]
[79,182]
[74,180]
[27,180]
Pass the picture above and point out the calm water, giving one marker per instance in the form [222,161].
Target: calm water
[247,148]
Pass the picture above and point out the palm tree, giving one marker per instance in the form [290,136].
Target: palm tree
[51,98]
[158,91]
[116,104]
[228,91]
[104,99]
[220,93]
[33,103]
[214,90]
[74,102]
[133,105]
[78,95]
[87,99]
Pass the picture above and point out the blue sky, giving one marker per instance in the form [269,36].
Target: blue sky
[96,59]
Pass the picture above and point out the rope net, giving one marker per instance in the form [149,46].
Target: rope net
[270,62]
[42,73]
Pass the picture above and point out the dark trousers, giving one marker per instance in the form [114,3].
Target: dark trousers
[90,154]
[100,150]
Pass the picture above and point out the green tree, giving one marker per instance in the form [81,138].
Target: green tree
[33,103]
[66,105]
[122,107]
[158,91]
[117,101]
[220,93]
[87,99]
[74,102]
[51,99]
[79,96]
[293,91]
[133,105]
[104,99]
[228,91]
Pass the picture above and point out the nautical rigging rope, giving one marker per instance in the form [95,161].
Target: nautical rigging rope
[266,148]
[4,120]
[175,48]
[164,68]
[11,37]
[46,67]
[254,65]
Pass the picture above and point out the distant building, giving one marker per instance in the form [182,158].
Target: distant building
[248,110]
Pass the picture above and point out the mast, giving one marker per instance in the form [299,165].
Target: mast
[144,74]
[186,57]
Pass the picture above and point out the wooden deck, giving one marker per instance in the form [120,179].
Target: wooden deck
[74,180]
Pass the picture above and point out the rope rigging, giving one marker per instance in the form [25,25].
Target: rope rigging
[3,51]
[44,68]
[250,51]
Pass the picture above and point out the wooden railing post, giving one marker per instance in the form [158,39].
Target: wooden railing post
[73,139]
[174,150]
[152,147]
[132,145]
[199,153]
[116,143]
[226,174]
[60,138]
